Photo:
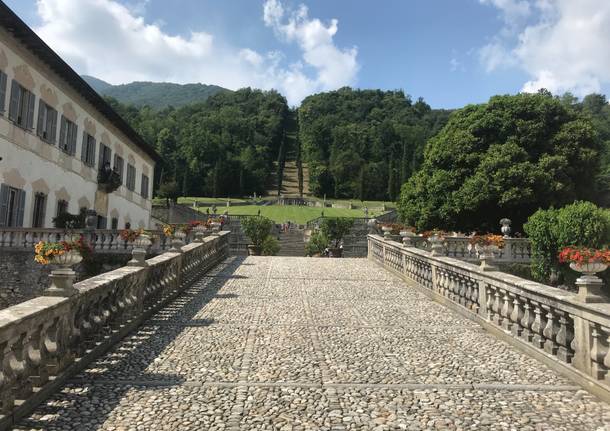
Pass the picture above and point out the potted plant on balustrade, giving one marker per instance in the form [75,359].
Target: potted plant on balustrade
[487,247]
[257,229]
[588,262]
[335,229]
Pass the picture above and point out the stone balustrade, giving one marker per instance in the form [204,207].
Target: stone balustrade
[515,250]
[46,340]
[552,325]
[102,240]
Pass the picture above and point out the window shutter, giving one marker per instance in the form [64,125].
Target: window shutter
[62,134]
[83,153]
[13,109]
[93,150]
[40,126]
[3,204]
[2,91]
[20,207]
[52,132]
[72,137]
[31,99]
[100,157]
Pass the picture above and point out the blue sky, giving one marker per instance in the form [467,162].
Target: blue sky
[450,52]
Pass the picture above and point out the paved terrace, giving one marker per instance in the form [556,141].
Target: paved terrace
[314,344]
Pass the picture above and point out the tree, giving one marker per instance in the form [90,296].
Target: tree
[504,158]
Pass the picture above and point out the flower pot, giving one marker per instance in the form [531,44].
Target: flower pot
[487,254]
[68,259]
[588,268]
[254,250]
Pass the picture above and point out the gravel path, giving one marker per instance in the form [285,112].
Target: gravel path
[314,344]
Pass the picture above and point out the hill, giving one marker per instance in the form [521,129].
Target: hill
[157,95]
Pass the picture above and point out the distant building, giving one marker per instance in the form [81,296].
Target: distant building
[63,148]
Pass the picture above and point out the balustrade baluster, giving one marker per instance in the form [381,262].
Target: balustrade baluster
[599,351]
[22,387]
[7,398]
[550,331]
[564,337]
[506,311]
[39,374]
[516,315]
[496,307]
[538,326]
[527,320]
[475,296]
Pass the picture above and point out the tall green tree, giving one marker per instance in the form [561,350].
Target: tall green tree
[504,158]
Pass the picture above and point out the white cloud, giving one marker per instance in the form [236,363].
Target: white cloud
[562,47]
[111,41]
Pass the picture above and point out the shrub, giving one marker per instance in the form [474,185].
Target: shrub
[317,243]
[270,247]
[581,224]
[257,228]
[335,229]
[71,221]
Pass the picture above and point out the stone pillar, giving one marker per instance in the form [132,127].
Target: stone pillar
[590,289]
[62,283]
[139,251]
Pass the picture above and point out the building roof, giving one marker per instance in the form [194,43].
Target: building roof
[20,30]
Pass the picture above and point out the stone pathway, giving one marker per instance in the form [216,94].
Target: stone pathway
[314,344]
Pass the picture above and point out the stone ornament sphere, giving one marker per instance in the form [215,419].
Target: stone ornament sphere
[589,268]
[68,259]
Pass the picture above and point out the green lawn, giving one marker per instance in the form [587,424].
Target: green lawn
[293,213]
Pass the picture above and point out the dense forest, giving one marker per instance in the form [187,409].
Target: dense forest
[364,144]
[506,157]
[225,146]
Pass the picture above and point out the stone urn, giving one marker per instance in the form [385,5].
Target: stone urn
[200,232]
[505,229]
[387,231]
[177,241]
[407,238]
[487,254]
[437,247]
[62,279]
[216,226]
[254,250]
[140,247]
[590,286]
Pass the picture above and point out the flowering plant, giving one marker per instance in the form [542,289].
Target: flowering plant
[46,251]
[436,232]
[130,235]
[487,240]
[584,255]
[168,230]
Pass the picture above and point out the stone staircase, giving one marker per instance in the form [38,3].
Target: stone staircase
[292,242]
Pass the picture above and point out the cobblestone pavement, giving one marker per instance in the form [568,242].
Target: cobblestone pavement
[314,344]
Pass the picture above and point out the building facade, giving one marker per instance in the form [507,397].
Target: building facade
[62,146]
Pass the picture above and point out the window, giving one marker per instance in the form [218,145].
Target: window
[144,187]
[40,204]
[21,108]
[88,150]
[2,91]
[102,222]
[67,136]
[47,123]
[62,207]
[105,156]
[12,204]
[131,177]
[118,166]
[115,223]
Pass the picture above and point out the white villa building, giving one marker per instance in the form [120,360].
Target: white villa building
[62,147]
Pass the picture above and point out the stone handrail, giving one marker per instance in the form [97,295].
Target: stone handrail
[46,340]
[102,240]
[515,250]
[553,325]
